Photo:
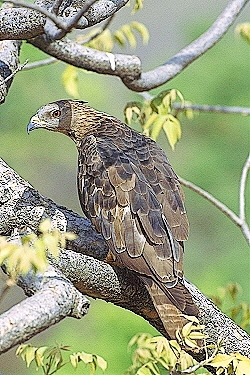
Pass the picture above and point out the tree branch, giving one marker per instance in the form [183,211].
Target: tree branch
[90,59]
[29,21]
[127,67]
[53,297]
[240,221]
[21,207]
[244,227]
[9,58]
[39,63]
[20,23]
[212,108]
[187,55]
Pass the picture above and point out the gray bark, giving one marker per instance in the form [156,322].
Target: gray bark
[22,208]
[42,28]
[53,298]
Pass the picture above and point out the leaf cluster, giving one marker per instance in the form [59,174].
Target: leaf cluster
[105,40]
[158,356]
[51,359]
[157,114]
[22,254]
[155,355]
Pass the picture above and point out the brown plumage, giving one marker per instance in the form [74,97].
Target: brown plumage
[129,191]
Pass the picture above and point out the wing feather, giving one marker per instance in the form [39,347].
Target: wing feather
[124,200]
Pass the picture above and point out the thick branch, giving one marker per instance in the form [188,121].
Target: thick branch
[9,58]
[28,21]
[55,298]
[87,58]
[21,207]
[187,55]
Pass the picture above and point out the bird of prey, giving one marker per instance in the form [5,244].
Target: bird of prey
[129,191]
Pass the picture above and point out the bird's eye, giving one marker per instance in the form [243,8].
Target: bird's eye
[56,113]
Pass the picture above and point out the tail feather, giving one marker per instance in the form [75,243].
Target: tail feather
[171,304]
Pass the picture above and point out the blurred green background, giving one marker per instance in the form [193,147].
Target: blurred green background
[211,154]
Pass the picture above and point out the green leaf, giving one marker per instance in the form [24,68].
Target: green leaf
[150,120]
[101,363]
[29,354]
[172,129]
[243,367]
[120,37]
[74,359]
[157,126]
[144,371]
[142,30]
[103,41]
[132,110]
[85,357]
[45,226]
[221,360]
[39,355]
[244,30]
[70,81]
[186,361]
[128,32]
[21,350]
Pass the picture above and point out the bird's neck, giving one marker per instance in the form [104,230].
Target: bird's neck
[88,121]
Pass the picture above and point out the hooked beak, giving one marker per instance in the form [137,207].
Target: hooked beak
[34,123]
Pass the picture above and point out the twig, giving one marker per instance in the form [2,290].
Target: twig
[20,67]
[58,34]
[242,215]
[212,108]
[56,6]
[221,206]
[38,64]
[242,188]
[203,107]
[52,60]
[206,362]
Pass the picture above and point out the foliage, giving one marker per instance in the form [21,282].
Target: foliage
[21,254]
[50,359]
[105,40]
[214,84]
[227,300]
[157,114]
[155,355]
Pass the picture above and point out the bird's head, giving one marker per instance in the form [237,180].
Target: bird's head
[71,117]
